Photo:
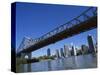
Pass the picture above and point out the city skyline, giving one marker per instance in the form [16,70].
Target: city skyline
[35,26]
[53,49]
[67,51]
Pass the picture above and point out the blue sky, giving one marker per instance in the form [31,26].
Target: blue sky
[34,20]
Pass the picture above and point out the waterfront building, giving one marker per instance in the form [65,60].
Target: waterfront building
[90,44]
[66,51]
[62,52]
[48,52]
[84,49]
[73,51]
[57,53]
[96,47]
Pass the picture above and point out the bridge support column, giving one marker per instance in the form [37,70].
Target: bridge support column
[23,56]
[29,55]
[29,64]
[22,60]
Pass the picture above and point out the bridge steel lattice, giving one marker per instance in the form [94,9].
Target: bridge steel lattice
[84,22]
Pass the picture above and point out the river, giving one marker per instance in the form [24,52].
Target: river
[68,63]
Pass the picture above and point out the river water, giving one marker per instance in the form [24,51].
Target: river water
[73,62]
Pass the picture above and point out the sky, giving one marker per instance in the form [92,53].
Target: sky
[34,20]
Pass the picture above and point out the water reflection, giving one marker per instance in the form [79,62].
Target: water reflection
[29,67]
[49,65]
[74,62]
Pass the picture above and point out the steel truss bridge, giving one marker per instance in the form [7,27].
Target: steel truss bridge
[87,20]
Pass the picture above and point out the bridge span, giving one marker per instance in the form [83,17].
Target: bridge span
[84,22]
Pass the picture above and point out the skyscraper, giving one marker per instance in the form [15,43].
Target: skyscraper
[96,47]
[91,44]
[57,53]
[48,52]
[62,52]
[66,51]
[73,50]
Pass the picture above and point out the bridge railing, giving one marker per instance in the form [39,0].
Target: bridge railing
[89,13]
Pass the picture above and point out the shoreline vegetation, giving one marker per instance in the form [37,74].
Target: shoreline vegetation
[41,58]
[20,61]
[33,60]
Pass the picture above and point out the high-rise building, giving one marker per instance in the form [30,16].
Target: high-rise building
[91,44]
[48,52]
[73,51]
[96,47]
[57,53]
[62,52]
[66,51]
[84,49]
[76,50]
